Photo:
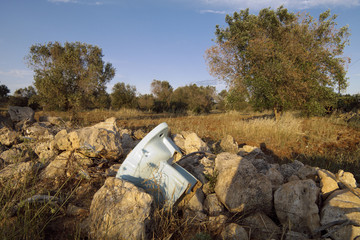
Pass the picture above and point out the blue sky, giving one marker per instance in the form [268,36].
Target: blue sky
[144,39]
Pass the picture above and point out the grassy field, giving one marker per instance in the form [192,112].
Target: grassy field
[328,142]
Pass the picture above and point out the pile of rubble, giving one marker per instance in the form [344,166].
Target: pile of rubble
[243,194]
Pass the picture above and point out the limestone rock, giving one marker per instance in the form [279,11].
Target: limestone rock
[328,183]
[45,150]
[8,137]
[217,223]
[92,141]
[38,131]
[66,164]
[62,141]
[57,168]
[287,170]
[228,144]
[295,205]
[193,144]
[342,205]
[249,149]
[346,178]
[179,140]
[275,177]
[307,172]
[18,172]
[212,205]
[227,160]
[261,226]
[18,153]
[18,114]
[119,210]
[109,124]
[196,202]
[234,232]
[239,187]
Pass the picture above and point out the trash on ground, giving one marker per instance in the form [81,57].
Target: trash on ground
[150,166]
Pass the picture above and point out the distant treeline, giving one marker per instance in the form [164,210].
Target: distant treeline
[163,98]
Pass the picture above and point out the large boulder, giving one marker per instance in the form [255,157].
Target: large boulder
[343,207]
[18,114]
[295,206]
[190,142]
[66,164]
[239,186]
[119,210]
[100,140]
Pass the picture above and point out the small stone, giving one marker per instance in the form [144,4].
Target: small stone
[261,226]
[234,232]
[346,178]
[212,205]
[73,210]
[228,144]
[112,170]
[217,223]
[196,202]
[328,183]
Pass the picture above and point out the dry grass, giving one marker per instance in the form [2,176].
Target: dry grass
[328,142]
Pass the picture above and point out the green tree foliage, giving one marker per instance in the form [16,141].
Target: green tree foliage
[280,60]
[72,76]
[123,96]
[348,103]
[25,97]
[4,90]
[162,91]
[193,98]
[146,102]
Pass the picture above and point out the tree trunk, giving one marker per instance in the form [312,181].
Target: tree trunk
[277,113]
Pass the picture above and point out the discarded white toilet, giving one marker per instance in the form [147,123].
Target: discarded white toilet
[150,166]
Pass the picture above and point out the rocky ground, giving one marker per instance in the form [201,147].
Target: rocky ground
[244,193]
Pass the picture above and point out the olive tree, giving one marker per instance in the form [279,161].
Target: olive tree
[70,76]
[281,60]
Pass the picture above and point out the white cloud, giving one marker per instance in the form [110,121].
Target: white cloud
[19,73]
[213,11]
[295,4]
